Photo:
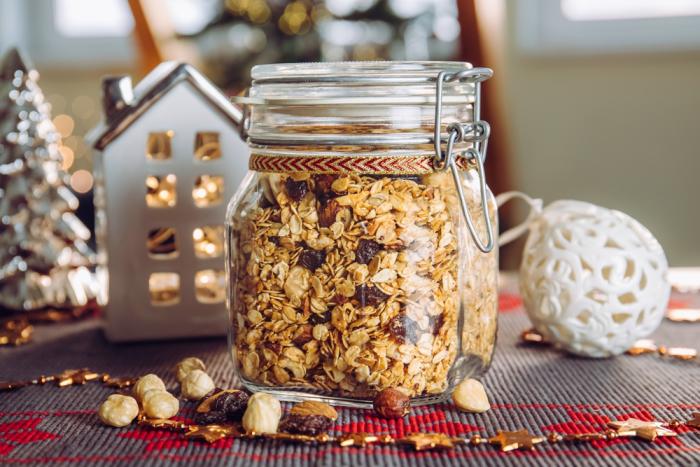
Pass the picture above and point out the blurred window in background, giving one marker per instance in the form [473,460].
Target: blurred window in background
[69,34]
[89,18]
[592,27]
[591,10]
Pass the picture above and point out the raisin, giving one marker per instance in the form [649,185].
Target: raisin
[296,190]
[210,418]
[265,203]
[304,335]
[436,322]
[366,250]
[312,259]
[276,347]
[320,318]
[327,211]
[340,299]
[231,404]
[369,296]
[404,330]
[274,239]
[322,186]
[396,329]
[306,424]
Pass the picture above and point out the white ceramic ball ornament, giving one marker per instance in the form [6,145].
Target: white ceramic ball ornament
[593,280]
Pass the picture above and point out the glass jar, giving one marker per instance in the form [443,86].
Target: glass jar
[355,262]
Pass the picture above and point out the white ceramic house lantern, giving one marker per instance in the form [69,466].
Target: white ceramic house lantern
[167,157]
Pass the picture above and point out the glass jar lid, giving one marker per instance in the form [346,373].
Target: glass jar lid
[292,109]
[390,103]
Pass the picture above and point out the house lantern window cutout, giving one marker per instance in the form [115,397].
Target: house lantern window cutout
[162,243]
[164,288]
[158,146]
[210,286]
[206,146]
[208,241]
[208,190]
[160,191]
[160,214]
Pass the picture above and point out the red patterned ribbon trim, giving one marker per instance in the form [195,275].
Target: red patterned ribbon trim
[383,165]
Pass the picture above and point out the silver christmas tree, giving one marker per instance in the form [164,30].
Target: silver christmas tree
[44,257]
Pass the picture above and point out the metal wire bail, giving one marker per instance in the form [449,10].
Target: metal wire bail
[477,132]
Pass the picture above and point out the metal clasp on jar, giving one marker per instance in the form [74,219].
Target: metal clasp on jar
[476,132]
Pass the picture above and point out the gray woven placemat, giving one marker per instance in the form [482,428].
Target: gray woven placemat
[538,389]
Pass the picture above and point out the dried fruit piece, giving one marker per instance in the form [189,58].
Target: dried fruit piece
[312,259]
[327,211]
[296,189]
[232,403]
[210,418]
[392,403]
[436,322]
[403,329]
[323,186]
[306,424]
[320,318]
[366,250]
[304,335]
[470,396]
[306,408]
[369,296]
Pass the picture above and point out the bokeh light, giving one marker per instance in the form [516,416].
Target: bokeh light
[81,181]
[67,157]
[64,124]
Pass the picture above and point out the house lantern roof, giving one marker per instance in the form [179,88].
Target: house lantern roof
[123,106]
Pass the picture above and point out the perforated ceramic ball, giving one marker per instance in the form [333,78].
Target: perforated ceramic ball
[593,279]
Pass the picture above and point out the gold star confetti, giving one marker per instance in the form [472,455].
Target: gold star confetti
[119,383]
[10,385]
[683,315]
[357,439]
[681,353]
[695,421]
[76,377]
[641,429]
[15,332]
[511,440]
[163,423]
[531,336]
[642,346]
[428,441]
[211,433]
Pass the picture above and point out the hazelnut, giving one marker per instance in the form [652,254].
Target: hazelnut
[392,403]
[263,414]
[196,385]
[187,365]
[160,404]
[470,396]
[118,410]
[147,383]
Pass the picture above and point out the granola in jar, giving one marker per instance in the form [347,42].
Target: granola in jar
[355,262]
